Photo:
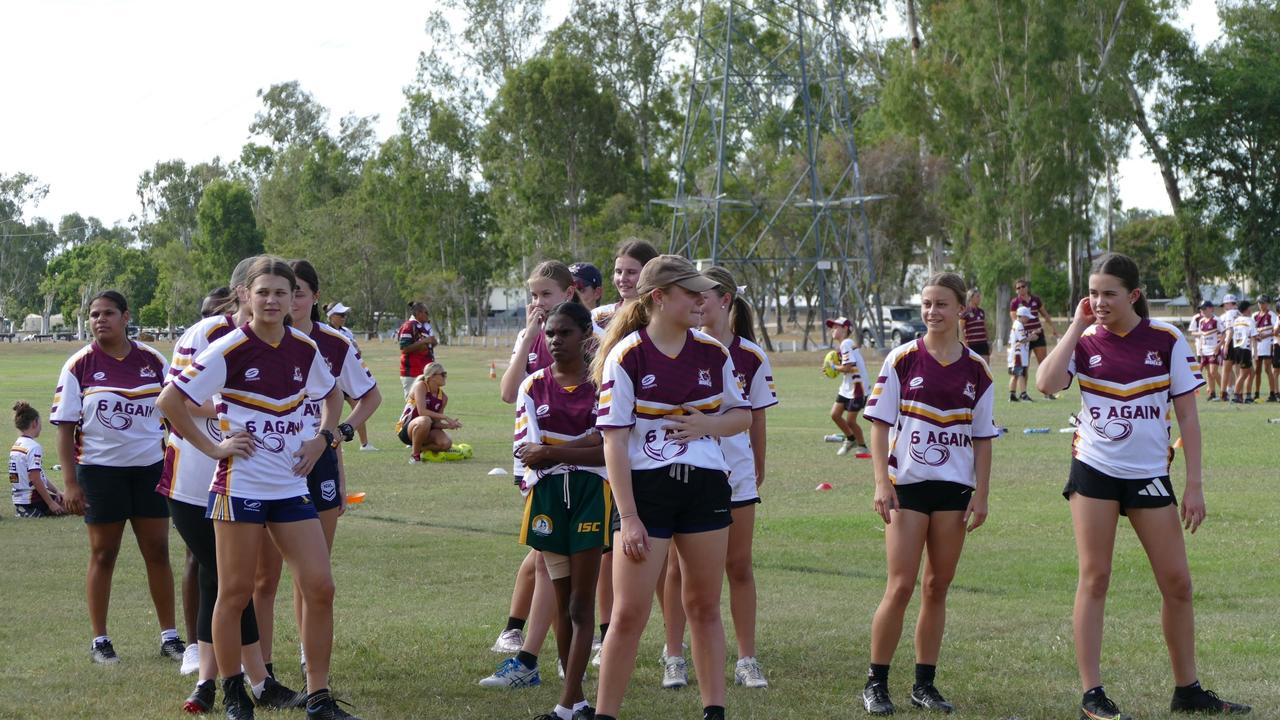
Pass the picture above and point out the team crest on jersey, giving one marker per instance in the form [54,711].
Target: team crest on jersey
[99,376]
[1095,361]
[543,410]
[146,372]
[251,374]
[916,382]
[1153,358]
[297,374]
[533,358]
[970,391]
[704,377]
[648,382]
[541,525]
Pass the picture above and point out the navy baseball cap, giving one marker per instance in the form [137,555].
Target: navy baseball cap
[1206,304]
[586,275]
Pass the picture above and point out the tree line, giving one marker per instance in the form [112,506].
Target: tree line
[995,128]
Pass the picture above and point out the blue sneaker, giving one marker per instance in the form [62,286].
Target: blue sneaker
[513,674]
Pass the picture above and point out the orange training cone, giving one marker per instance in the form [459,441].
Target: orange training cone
[355,498]
[493,370]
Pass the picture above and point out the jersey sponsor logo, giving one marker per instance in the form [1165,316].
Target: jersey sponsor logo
[1095,361]
[916,382]
[541,525]
[543,410]
[213,427]
[252,504]
[119,415]
[932,455]
[271,442]
[251,374]
[661,448]
[297,374]
[970,391]
[1153,358]
[649,382]
[99,376]
[329,489]
[1115,429]
[146,372]
[704,377]
[533,358]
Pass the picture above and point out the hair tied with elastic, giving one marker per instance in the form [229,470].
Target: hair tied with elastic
[742,289]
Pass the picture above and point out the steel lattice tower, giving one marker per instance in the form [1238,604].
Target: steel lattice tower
[768,180]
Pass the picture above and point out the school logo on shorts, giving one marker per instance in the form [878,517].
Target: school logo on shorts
[1153,358]
[329,489]
[543,410]
[970,391]
[1095,361]
[649,382]
[146,372]
[704,377]
[541,525]
[252,504]
[297,374]
[916,382]
[251,374]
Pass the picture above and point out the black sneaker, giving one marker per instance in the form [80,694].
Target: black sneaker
[173,649]
[928,697]
[1208,703]
[103,653]
[1025,398]
[1212,398]
[1097,706]
[1013,398]
[1050,396]
[235,700]
[875,698]
[324,707]
[201,700]
[586,713]
[279,697]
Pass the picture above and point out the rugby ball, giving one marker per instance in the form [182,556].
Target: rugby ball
[829,364]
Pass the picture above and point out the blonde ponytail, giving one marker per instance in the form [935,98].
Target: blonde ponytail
[633,316]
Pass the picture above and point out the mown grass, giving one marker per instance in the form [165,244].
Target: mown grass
[424,571]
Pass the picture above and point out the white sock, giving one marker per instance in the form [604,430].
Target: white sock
[169,634]
[563,712]
[302,654]
[257,689]
[580,704]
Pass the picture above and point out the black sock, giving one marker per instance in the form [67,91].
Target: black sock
[605,717]
[515,623]
[314,698]
[851,438]
[604,630]
[527,659]
[1094,693]
[925,674]
[711,712]
[878,673]
[271,671]
[1186,691]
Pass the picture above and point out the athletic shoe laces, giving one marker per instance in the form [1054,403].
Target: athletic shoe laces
[879,692]
[930,692]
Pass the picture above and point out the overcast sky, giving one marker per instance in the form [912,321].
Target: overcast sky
[95,92]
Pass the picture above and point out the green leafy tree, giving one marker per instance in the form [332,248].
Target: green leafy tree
[73,277]
[25,246]
[226,230]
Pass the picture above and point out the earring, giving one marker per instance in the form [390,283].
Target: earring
[723,307]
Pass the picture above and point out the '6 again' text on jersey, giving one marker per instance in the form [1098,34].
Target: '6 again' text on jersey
[262,390]
[934,412]
[642,386]
[548,413]
[113,400]
[1126,385]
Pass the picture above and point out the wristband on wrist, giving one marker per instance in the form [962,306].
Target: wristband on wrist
[328,436]
[346,431]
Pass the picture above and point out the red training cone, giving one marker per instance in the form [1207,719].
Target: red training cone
[823,486]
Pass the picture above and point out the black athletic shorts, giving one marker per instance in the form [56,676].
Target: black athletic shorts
[1244,358]
[982,348]
[35,509]
[1143,493]
[734,505]
[403,434]
[933,496]
[681,499]
[114,494]
[853,404]
[1039,341]
[322,481]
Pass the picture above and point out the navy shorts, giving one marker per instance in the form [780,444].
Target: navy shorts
[681,499]
[116,494]
[931,496]
[1039,341]
[260,512]
[982,348]
[1151,492]
[323,483]
[853,404]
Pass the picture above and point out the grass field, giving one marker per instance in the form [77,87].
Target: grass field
[424,570]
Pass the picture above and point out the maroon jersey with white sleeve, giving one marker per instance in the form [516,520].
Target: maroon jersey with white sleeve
[1127,383]
[113,400]
[643,385]
[934,412]
[548,413]
[262,391]
[975,325]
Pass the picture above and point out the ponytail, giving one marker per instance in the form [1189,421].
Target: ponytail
[24,416]
[1125,269]
[741,317]
[633,316]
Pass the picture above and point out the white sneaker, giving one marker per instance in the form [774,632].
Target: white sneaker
[675,673]
[368,448]
[190,659]
[747,673]
[861,450]
[595,658]
[512,674]
[845,447]
[662,658]
[509,642]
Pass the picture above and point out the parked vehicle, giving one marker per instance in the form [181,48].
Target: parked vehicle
[899,323]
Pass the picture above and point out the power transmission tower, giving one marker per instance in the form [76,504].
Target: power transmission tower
[768,180]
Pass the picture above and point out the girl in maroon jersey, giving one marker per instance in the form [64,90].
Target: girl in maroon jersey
[568,506]
[423,423]
[974,319]
[549,284]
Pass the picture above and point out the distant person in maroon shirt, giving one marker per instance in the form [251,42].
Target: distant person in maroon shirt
[1024,298]
[974,326]
[417,345]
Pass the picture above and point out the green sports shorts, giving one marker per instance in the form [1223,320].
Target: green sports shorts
[567,513]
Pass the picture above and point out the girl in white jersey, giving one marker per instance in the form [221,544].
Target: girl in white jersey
[667,391]
[851,398]
[263,373]
[110,443]
[931,431]
[1130,368]
[728,318]
[327,481]
[33,495]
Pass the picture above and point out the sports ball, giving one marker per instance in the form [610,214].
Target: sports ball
[829,363]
